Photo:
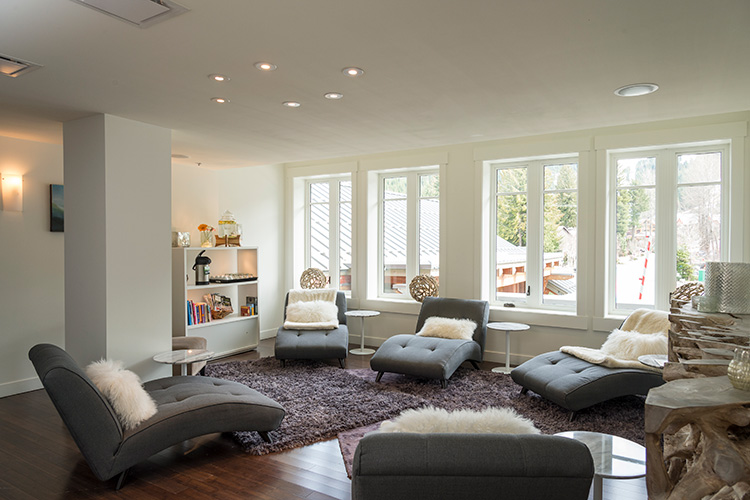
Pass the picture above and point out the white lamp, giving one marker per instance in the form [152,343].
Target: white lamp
[13,193]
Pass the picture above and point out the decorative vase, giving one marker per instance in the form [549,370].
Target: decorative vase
[206,240]
[739,369]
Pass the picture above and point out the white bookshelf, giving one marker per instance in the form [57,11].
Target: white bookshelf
[233,333]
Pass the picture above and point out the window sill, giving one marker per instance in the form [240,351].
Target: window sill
[539,317]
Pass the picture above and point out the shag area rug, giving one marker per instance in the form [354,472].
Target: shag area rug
[323,401]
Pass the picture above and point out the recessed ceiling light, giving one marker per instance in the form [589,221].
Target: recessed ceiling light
[291,104]
[333,95]
[352,71]
[218,78]
[636,89]
[265,66]
[220,100]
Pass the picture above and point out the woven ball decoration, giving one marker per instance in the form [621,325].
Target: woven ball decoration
[686,291]
[313,278]
[423,286]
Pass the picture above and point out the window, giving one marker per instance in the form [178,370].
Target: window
[533,243]
[329,230]
[409,229]
[666,221]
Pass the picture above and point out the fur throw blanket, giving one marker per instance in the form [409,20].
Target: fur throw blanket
[487,421]
[643,332]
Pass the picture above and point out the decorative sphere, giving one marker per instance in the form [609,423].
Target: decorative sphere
[422,286]
[313,278]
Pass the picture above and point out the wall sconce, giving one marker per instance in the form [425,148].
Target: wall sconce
[12,193]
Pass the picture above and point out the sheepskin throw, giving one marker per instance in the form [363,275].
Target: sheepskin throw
[122,388]
[313,309]
[448,328]
[643,332]
[487,421]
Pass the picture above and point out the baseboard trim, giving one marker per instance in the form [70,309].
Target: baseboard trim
[19,386]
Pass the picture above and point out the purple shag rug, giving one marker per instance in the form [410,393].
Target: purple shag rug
[323,401]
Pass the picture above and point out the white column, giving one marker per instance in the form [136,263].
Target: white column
[117,242]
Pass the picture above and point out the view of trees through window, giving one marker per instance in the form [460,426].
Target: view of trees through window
[555,187]
[695,220]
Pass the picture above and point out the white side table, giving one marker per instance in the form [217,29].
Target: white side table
[362,314]
[183,357]
[508,327]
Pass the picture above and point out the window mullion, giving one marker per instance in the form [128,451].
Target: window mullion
[534,234]
[333,233]
[666,208]
[412,226]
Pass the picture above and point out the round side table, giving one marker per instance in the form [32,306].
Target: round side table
[508,327]
[614,457]
[183,357]
[362,314]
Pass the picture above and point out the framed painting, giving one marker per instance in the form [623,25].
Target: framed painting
[56,208]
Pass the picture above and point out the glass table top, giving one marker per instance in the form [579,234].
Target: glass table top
[614,457]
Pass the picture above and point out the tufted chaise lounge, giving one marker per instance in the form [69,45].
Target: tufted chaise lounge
[314,344]
[186,407]
[430,357]
[576,384]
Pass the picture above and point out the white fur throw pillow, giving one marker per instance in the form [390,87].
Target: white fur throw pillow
[488,421]
[448,328]
[629,345]
[315,311]
[123,389]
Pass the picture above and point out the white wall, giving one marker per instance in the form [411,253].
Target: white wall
[32,280]
[462,225]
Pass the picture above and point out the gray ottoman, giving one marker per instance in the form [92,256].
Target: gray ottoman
[576,384]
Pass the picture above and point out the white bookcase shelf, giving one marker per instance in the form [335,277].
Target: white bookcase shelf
[233,333]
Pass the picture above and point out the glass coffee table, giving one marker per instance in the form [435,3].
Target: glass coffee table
[614,457]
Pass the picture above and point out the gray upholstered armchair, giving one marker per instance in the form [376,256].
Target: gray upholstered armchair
[432,357]
[408,466]
[314,344]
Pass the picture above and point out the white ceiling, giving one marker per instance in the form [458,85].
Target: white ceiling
[437,71]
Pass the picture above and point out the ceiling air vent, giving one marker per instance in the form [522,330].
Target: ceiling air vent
[142,13]
[13,67]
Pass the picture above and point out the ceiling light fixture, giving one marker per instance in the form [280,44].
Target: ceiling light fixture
[180,156]
[13,67]
[218,78]
[291,104]
[333,95]
[636,89]
[265,66]
[352,71]
[220,100]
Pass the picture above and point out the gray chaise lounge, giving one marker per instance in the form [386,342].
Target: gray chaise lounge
[186,407]
[432,357]
[576,384]
[314,344]
[405,466]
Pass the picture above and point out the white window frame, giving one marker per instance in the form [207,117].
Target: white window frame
[665,246]
[412,225]
[534,232]
[334,237]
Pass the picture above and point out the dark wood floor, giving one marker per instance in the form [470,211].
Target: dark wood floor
[39,460]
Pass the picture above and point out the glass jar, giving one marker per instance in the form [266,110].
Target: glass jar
[227,225]
[739,369]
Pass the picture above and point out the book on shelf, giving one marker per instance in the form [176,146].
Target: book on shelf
[197,313]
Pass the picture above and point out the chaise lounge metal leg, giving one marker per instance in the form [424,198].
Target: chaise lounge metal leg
[121,479]
[572,416]
[443,383]
[379,376]
[524,390]
[474,364]
[264,436]
[342,362]
[283,363]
